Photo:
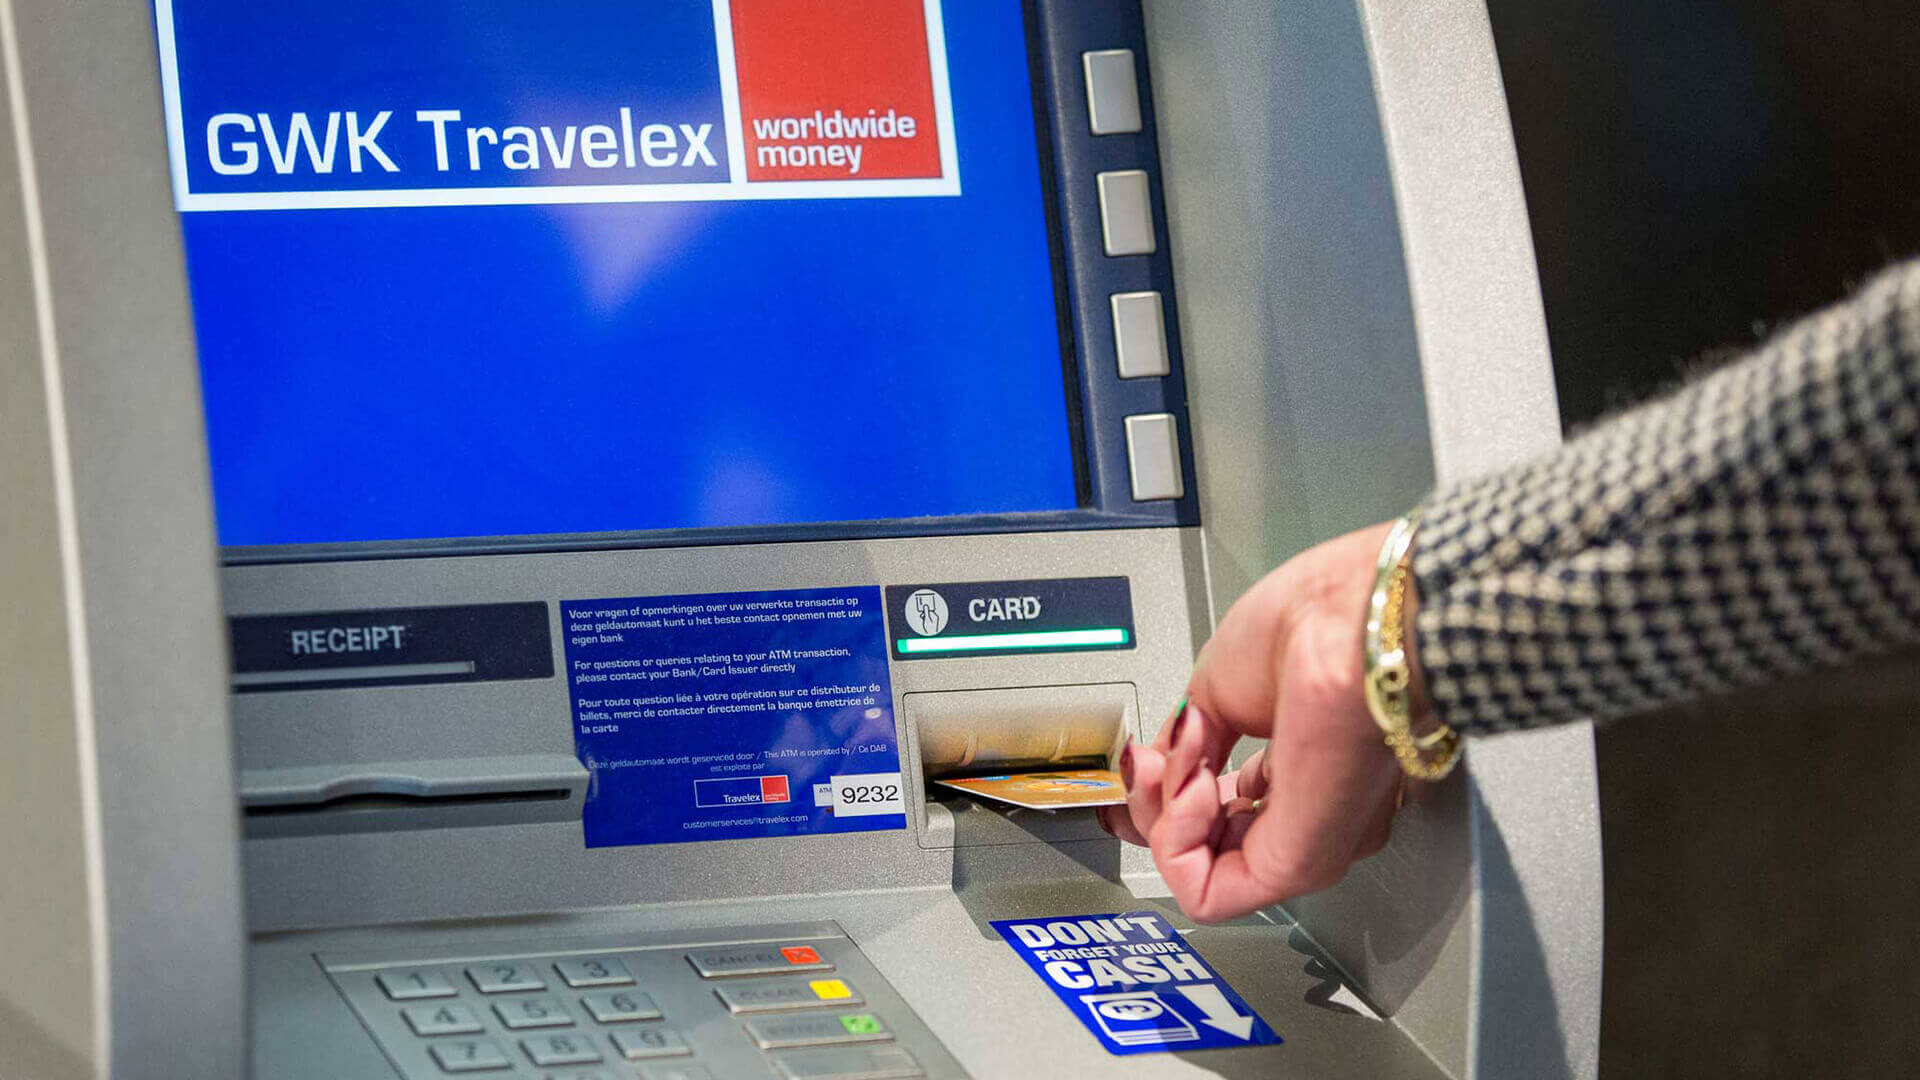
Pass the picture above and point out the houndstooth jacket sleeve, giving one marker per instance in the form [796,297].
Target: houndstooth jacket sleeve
[1762,522]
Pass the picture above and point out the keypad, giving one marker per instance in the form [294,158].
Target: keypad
[810,1008]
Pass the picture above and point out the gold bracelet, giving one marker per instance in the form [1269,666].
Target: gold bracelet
[1388,675]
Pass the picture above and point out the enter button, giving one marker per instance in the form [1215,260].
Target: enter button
[786,1032]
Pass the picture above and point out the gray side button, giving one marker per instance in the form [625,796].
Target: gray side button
[1153,457]
[1113,92]
[849,1063]
[1126,213]
[1140,335]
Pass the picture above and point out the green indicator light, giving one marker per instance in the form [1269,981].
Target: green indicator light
[864,1024]
[1039,639]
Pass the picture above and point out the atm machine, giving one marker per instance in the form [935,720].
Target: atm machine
[513,509]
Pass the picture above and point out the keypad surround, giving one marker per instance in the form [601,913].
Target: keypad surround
[745,1003]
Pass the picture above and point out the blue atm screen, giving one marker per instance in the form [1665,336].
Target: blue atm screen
[478,268]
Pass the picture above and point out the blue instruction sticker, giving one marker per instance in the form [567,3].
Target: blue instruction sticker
[733,715]
[1134,982]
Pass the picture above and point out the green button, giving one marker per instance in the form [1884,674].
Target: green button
[863,1024]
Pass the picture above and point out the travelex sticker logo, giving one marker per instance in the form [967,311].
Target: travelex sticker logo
[1133,981]
[353,103]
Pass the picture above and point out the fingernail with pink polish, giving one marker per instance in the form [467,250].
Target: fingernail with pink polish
[1126,765]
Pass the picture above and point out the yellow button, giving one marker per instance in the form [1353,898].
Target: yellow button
[830,989]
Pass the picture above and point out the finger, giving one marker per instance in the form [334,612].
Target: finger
[1118,820]
[1186,751]
[1163,738]
[1250,780]
[1181,839]
[1380,830]
[1329,801]
[1239,817]
[1145,768]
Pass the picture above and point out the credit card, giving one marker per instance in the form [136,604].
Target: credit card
[1065,790]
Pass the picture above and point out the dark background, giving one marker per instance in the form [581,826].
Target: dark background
[1697,174]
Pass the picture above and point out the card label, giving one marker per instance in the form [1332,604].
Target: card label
[724,716]
[1006,618]
[1135,983]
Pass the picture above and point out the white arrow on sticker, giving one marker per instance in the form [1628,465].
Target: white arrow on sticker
[1220,1012]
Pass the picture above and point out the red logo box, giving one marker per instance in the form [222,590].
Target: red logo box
[836,89]
[774,789]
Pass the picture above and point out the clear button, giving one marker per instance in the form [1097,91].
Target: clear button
[773,995]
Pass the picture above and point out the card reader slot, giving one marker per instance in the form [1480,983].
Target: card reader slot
[387,796]
[1017,729]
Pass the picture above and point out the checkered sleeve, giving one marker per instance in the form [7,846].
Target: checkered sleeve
[1761,522]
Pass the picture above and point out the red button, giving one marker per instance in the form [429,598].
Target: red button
[800,954]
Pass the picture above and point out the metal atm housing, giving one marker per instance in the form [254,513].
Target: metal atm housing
[1340,211]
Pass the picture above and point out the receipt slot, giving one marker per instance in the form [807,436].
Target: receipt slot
[1021,729]
[465,521]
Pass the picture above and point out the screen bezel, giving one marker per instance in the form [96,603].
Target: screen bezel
[1056,37]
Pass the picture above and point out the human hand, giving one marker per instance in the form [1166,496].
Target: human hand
[1285,664]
